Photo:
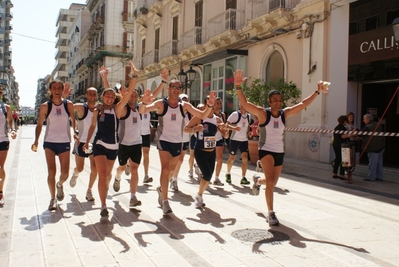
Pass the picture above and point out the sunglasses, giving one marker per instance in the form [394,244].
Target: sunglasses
[176,87]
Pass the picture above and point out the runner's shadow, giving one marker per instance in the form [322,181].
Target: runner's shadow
[208,216]
[184,199]
[37,222]
[219,191]
[295,239]
[243,189]
[175,227]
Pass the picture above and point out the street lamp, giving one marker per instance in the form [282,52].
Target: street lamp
[395,27]
[186,78]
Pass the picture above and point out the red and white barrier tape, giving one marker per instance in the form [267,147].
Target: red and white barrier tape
[310,130]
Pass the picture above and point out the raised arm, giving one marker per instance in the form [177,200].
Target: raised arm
[249,107]
[104,76]
[67,90]
[291,111]
[119,108]
[202,114]
[164,77]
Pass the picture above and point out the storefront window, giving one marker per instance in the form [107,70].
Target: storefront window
[195,90]
[230,104]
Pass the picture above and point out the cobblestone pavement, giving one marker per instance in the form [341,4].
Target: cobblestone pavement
[323,221]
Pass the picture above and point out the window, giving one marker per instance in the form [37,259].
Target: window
[372,23]
[391,15]
[175,35]
[353,29]
[198,22]
[156,48]
[275,67]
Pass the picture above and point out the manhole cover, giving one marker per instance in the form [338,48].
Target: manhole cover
[260,236]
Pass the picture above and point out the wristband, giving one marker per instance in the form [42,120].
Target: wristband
[238,87]
[209,106]
[164,81]
[317,92]
[133,76]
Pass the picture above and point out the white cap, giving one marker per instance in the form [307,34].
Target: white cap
[183,96]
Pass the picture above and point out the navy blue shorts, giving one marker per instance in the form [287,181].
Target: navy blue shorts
[4,145]
[220,142]
[173,148]
[235,145]
[278,157]
[125,152]
[77,150]
[145,140]
[57,148]
[99,150]
[185,145]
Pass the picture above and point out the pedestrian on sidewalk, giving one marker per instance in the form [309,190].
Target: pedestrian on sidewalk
[171,111]
[57,139]
[217,110]
[84,119]
[337,143]
[205,148]
[146,128]
[7,123]
[106,141]
[271,129]
[239,124]
[375,149]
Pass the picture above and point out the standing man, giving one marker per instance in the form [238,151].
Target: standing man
[85,115]
[171,111]
[238,122]
[375,148]
[271,144]
[6,119]
[57,140]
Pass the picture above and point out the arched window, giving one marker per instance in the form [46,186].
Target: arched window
[275,67]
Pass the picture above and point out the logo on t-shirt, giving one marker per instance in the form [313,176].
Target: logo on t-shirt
[58,111]
[173,117]
[275,124]
[134,119]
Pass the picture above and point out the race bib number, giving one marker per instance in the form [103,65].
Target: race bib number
[209,141]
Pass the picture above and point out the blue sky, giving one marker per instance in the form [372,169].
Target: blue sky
[32,58]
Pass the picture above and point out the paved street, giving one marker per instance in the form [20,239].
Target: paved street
[323,221]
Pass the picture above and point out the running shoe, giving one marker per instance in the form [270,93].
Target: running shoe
[134,202]
[255,186]
[53,204]
[89,195]
[1,200]
[166,208]
[60,192]
[74,177]
[117,185]
[147,179]
[228,178]
[190,174]
[218,182]
[244,181]
[173,185]
[104,212]
[199,202]
[272,219]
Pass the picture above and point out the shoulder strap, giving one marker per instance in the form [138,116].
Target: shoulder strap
[49,107]
[269,114]
[239,117]
[85,112]
[165,106]
[181,108]
[137,108]
[127,112]
[66,107]
[3,108]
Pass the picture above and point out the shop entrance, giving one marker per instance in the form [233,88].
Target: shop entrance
[375,98]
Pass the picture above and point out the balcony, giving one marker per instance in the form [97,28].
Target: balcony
[9,16]
[8,28]
[9,4]
[229,20]
[169,49]
[7,54]
[127,18]
[275,4]
[190,38]
[61,49]
[151,57]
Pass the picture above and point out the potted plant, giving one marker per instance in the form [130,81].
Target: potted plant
[257,93]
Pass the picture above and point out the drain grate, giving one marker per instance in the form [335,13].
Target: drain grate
[260,236]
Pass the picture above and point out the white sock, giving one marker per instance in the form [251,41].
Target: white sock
[174,178]
[271,211]
[216,177]
[132,195]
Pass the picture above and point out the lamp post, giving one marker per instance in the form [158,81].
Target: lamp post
[395,27]
[186,78]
